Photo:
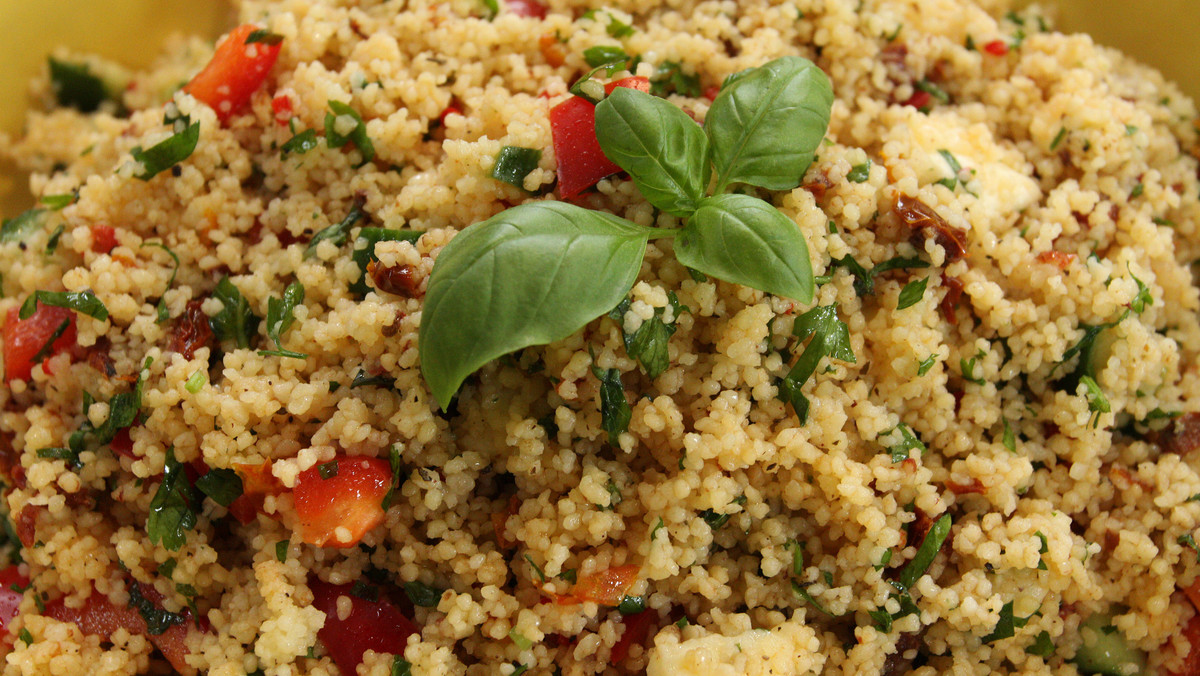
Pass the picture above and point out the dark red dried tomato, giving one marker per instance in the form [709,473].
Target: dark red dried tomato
[949,304]
[399,280]
[921,217]
[1182,436]
[192,331]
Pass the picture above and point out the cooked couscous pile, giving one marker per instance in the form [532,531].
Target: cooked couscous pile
[221,455]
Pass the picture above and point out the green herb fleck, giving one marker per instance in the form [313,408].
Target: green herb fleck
[171,511]
[222,485]
[422,594]
[514,163]
[328,470]
[235,322]
[912,293]
[859,173]
[339,111]
[167,153]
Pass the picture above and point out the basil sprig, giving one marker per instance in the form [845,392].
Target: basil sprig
[541,271]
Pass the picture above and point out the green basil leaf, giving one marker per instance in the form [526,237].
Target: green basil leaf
[664,150]
[423,595]
[928,550]
[157,619]
[17,228]
[648,345]
[912,293]
[401,666]
[301,142]
[167,153]
[604,54]
[357,136]
[669,78]
[364,251]
[236,321]
[614,408]
[786,99]
[744,240]
[337,233]
[530,275]
[171,513]
[222,485]
[84,302]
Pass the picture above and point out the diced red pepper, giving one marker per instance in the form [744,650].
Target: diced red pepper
[236,71]
[351,499]
[606,587]
[581,162]
[637,628]
[996,48]
[282,105]
[104,238]
[448,110]
[10,599]
[257,484]
[526,8]
[122,444]
[919,100]
[371,625]
[24,338]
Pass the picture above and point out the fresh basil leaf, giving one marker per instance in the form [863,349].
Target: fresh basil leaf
[648,344]
[364,251]
[744,240]
[167,153]
[514,163]
[908,442]
[301,142]
[337,233]
[664,150]
[83,302]
[926,553]
[614,408]
[669,78]
[236,321]
[75,86]
[601,55]
[1043,646]
[859,173]
[530,275]
[44,350]
[357,136]
[830,337]
[912,293]
[401,666]
[17,228]
[281,312]
[765,125]
[171,512]
[222,485]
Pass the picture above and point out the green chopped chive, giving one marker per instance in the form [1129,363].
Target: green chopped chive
[195,382]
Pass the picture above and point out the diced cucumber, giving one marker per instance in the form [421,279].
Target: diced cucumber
[1105,649]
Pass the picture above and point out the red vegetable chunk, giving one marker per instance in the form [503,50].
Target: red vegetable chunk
[371,625]
[526,8]
[236,71]
[349,496]
[10,599]
[581,162]
[23,338]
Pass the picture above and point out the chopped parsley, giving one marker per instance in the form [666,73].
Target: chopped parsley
[222,485]
[1009,439]
[830,338]
[926,364]
[1143,299]
[1044,549]
[802,591]
[908,442]
[912,293]
[864,279]
[631,605]
[171,510]
[1190,541]
[301,142]
[337,233]
[168,152]
[928,550]
[401,666]
[1097,402]
[967,367]
[859,173]
[25,636]
[236,322]
[58,202]
[422,595]
[328,470]
[1042,647]
[75,86]
[648,344]
[157,619]
[716,520]
[397,477]
[83,302]
[280,317]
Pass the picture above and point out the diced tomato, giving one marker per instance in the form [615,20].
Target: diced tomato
[236,71]
[371,625]
[526,8]
[919,100]
[104,238]
[350,499]
[447,111]
[1193,594]
[23,338]
[100,617]
[122,444]
[606,587]
[637,628]
[500,520]
[551,48]
[282,105]
[711,92]
[996,48]
[257,484]
[581,162]
[10,599]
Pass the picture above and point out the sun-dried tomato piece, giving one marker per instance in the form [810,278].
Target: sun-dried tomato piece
[921,217]
[192,331]
[949,304]
[399,280]
[1059,259]
[1181,436]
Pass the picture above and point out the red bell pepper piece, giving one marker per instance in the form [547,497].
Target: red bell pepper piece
[104,238]
[371,625]
[351,499]
[10,599]
[526,8]
[996,48]
[637,628]
[1191,663]
[24,338]
[581,162]
[236,71]
[257,484]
